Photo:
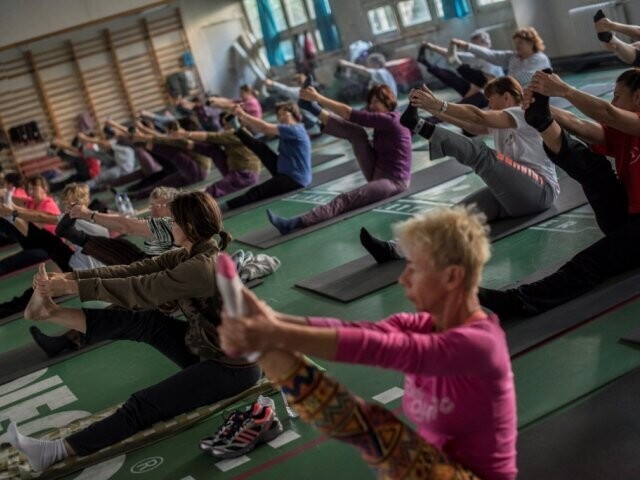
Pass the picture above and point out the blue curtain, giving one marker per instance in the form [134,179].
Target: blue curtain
[327,26]
[455,8]
[270,34]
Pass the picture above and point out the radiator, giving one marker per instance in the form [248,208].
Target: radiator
[581,18]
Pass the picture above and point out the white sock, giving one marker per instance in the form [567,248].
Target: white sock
[40,453]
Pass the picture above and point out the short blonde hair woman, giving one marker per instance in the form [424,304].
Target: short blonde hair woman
[458,381]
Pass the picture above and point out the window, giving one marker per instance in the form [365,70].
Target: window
[296,12]
[382,20]
[251,11]
[278,15]
[482,3]
[287,49]
[413,12]
[439,8]
[292,17]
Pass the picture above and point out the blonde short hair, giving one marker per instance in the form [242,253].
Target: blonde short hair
[76,193]
[449,236]
[531,35]
[166,194]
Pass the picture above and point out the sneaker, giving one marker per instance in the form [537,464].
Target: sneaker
[243,430]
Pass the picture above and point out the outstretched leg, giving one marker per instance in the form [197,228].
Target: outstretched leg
[389,446]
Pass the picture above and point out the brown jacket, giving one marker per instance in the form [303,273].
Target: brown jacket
[173,276]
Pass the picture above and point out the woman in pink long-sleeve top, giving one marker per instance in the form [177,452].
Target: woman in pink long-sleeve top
[385,161]
[458,388]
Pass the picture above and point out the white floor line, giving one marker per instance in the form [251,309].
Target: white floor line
[283,439]
[389,395]
[226,465]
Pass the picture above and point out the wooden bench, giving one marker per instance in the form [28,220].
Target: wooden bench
[36,166]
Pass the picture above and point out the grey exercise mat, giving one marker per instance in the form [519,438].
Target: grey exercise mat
[30,358]
[593,440]
[632,337]
[320,158]
[525,333]
[319,178]
[363,275]
[421,180]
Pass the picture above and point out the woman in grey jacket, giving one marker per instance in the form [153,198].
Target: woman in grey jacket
[185,275]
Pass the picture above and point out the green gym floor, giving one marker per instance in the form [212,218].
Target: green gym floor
[550,378]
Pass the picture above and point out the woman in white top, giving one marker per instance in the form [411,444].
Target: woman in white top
[522,62]
[520,178]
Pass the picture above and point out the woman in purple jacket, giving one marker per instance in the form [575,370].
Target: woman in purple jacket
[385,161]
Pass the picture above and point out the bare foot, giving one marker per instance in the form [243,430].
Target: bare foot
[39,307]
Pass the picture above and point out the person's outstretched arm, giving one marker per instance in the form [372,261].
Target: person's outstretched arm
[361,69]
[112,221]
[341,109]
[596,108]
[256,124]
[425,99]
[585,130]
[497,57]
[607,25]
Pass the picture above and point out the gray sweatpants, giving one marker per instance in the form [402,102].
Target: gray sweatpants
[513,190]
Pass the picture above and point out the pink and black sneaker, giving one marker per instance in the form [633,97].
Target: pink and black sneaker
[243,430]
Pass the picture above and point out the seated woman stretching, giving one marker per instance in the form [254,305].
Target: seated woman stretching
[186,275]
[38,199]
[156,230]
[520,179]
[614,195]
[458,385]
[385,162]
[520,63]
[472,72]
[30,236]
[290,168]
[239,166]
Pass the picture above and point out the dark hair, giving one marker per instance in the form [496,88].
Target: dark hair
[14,178]
[502,85]
[38,180]
[172,126]
[290,107]
[383,93]
[247,89]
[630,79]
[199,216]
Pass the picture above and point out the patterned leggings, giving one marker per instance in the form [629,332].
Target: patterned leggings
[389,446]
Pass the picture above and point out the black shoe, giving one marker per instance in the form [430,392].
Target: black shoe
[52,346]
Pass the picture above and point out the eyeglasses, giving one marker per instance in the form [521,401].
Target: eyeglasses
[158,206]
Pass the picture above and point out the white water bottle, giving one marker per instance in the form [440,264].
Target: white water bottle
[230,287]
[128,206]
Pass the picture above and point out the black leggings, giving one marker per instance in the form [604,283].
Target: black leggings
[276,185]
[39,238]
[199,382]
[614,254]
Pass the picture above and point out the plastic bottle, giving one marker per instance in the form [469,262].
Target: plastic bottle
[128,206]
[120,204]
